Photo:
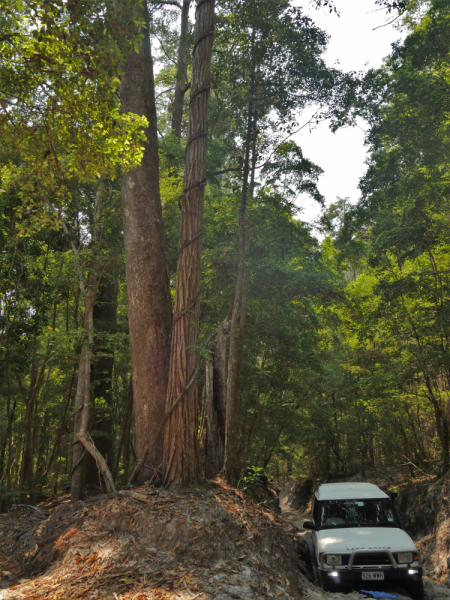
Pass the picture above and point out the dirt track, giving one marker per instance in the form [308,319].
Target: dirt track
[433,591]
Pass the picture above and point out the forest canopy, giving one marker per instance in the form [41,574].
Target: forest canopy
[165,312]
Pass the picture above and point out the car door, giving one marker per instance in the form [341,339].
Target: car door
[315,520]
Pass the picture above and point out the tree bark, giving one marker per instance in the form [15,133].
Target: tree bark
[105,321]
[149,304]
[180,444]
[181,84]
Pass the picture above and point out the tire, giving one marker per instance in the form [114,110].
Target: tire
[415,590]
[329,586]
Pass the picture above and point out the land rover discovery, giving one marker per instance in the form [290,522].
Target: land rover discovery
[359,540]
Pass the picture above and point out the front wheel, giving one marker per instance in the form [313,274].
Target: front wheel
[415,590]
[328,585]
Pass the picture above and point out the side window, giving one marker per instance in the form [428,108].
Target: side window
[315,511]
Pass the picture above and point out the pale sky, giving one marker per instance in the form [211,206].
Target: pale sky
[357,47]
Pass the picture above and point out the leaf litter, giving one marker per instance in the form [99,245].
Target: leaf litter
[147,543]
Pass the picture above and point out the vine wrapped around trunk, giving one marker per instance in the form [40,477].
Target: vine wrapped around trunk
[180,445]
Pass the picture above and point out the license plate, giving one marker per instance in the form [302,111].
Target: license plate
[372,575]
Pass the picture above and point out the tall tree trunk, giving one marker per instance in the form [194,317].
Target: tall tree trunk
[89,292]
[149,304]
[181,86]
[239,361]
[105,321]
[231,468]
[82,398]
[180,444]
[216,404]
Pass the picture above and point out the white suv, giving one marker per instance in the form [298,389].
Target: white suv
[359,539]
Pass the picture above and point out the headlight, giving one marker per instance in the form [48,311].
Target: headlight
[333,559]
[405,557]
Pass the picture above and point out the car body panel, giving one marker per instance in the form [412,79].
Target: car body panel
[347,540]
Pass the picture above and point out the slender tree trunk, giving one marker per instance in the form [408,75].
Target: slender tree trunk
[62,429]
[38,430]
[3,467]
[203,405]
[442,424]
[149,304]
[125,439]
[445,446]
[180,444]
[82,400]
[231,469]
[105,321]
[251,434]
[327,455]
[89,292]
[9,431]
[2,455]
[27,470]
[181,86]
[126,447]
[240,348]
[27,456]
[4,441]
[419,447]
[213,441]
[216,404]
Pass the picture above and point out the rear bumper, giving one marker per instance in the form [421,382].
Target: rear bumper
[353,577]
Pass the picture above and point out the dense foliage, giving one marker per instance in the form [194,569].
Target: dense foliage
[344,343]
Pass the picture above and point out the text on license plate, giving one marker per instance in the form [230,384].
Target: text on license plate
[378,575]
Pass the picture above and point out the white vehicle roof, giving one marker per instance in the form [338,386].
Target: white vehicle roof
[349,491]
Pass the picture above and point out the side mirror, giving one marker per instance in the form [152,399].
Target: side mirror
[309,525]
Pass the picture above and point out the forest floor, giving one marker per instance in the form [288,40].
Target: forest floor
[146,543]
[149,543]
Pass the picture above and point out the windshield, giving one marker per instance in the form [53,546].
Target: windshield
[356,513]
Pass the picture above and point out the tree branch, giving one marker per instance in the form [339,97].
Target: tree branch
[228,170]
[72,245]
[388,23]
[285,139]
[101,463]
[164,92]
[165,52]
[169,3]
